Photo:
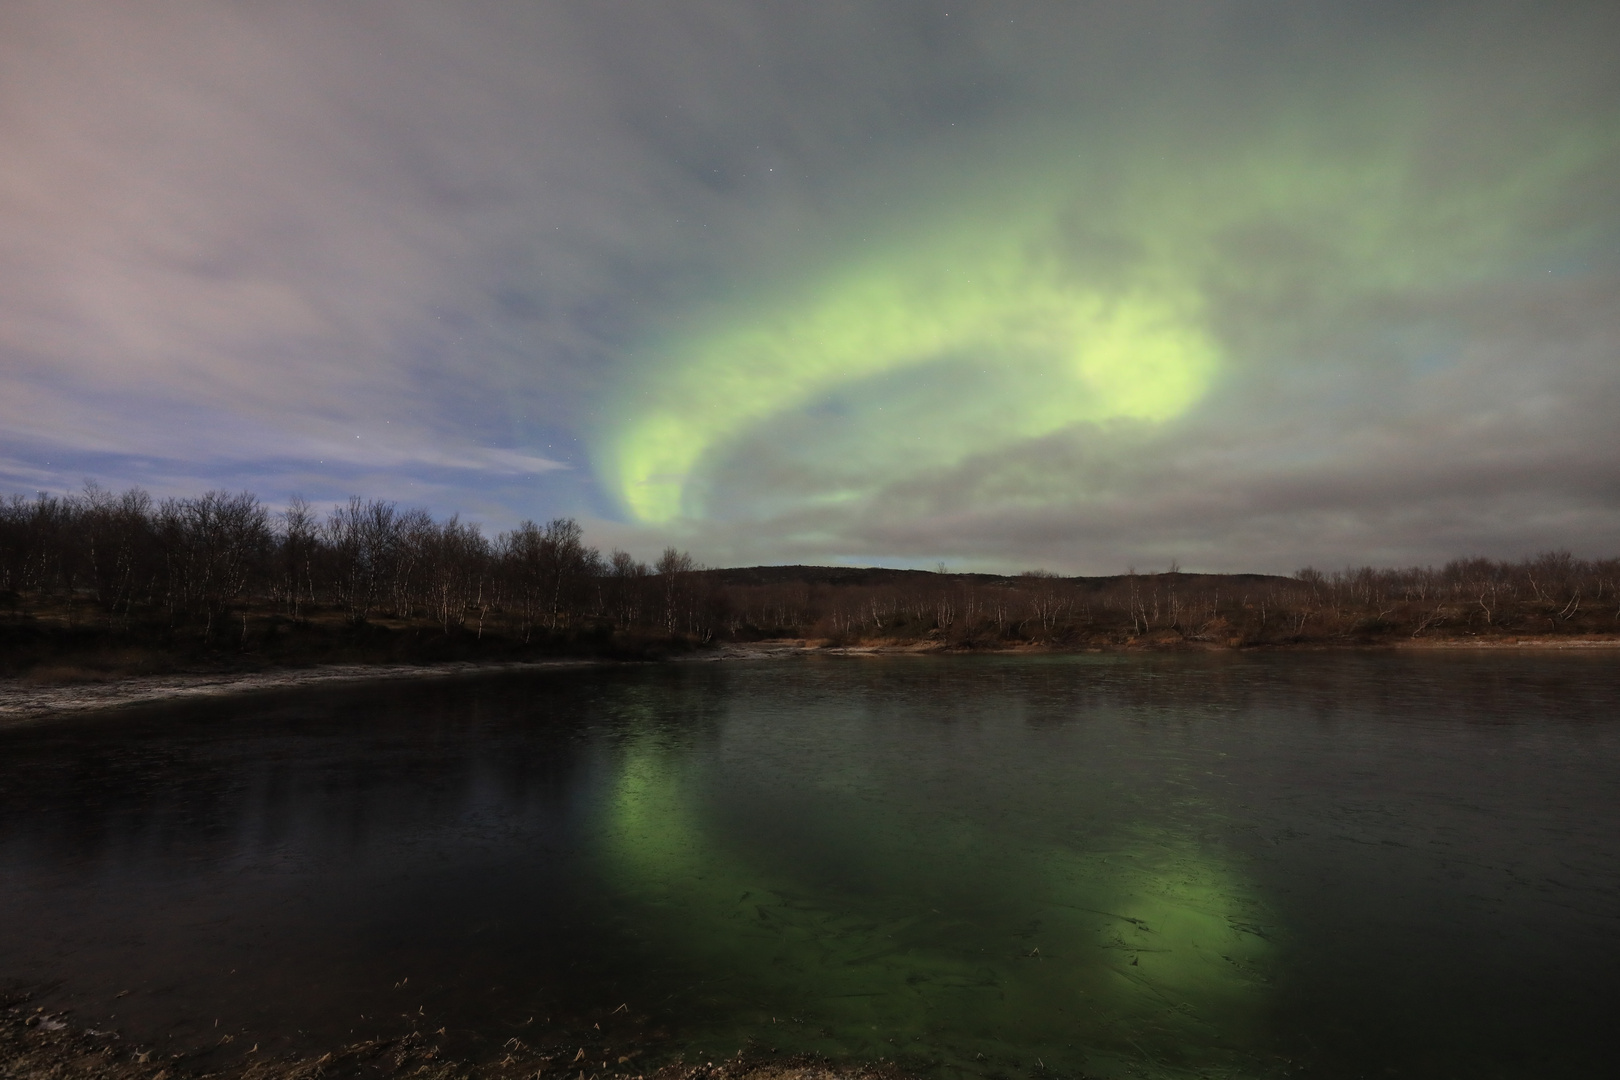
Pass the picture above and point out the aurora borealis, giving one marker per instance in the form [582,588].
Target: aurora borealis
[1246,285]
[1026,353]
[919,359]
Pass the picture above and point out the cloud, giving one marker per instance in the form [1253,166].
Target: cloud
[464,256]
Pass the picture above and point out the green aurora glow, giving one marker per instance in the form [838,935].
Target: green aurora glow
[1094,300]
[1057,353]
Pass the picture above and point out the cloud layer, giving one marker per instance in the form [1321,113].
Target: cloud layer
[1248,285]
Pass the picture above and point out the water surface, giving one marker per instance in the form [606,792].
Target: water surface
[1330,865]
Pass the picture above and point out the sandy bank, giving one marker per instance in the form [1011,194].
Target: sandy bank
[1510,643]
[21,701]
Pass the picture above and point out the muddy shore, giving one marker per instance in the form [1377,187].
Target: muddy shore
[39,1045]
[22,701]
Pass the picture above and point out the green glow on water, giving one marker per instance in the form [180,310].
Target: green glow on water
[944,942]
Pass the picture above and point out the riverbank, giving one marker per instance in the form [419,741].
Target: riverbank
[40,1045]
[1176,643]
[36,698]
[22,701]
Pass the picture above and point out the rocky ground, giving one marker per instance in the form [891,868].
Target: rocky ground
[39,1045]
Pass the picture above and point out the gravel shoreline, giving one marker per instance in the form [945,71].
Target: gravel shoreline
[21,702]
[40,1045]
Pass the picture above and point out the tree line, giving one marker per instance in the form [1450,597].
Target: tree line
[1552,593]
[223,567]
[196,562]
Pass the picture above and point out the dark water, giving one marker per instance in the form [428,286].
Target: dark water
[1323,865]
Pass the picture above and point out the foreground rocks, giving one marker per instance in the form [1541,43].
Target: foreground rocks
[39,1045]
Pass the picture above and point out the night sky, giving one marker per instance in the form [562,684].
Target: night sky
[999,285]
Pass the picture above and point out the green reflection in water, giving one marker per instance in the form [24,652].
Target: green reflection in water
[946,946]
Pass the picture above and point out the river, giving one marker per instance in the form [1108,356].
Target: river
[1329,864]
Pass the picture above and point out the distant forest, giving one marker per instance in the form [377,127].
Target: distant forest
[110,582]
